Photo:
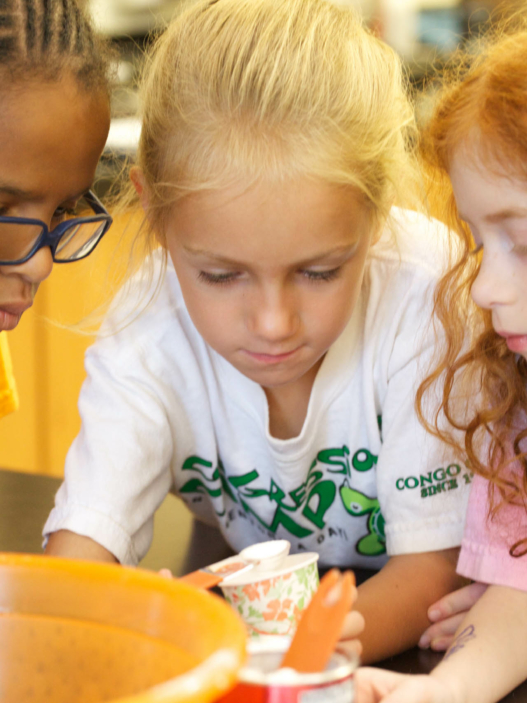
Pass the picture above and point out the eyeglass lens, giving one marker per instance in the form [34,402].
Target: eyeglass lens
[18,239]
[78,241]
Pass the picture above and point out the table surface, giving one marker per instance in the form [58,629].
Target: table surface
[25,503]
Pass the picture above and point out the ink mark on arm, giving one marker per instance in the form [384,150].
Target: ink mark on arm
[469,633]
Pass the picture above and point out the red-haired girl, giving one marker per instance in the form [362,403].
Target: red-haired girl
[478,136]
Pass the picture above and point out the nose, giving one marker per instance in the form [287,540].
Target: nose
[36,269]
[273,315]
[494,284]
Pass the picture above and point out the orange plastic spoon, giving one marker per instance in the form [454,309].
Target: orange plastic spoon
[321,624]
[262,555]
[208,578]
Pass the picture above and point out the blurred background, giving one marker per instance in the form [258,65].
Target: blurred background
[420,30]
[48,359]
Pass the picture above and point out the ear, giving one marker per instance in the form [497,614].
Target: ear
[138,181]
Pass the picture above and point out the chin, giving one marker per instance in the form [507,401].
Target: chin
[270,380]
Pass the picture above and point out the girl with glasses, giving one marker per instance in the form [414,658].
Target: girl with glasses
[54,116]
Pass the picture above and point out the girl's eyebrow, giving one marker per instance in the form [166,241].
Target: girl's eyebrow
[345,250]
[15,192]
[506,214]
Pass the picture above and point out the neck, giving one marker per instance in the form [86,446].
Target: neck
[288,405]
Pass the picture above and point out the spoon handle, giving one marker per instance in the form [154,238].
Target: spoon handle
[321,624]
[213,575]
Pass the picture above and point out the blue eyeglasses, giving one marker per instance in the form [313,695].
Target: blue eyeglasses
[73,239]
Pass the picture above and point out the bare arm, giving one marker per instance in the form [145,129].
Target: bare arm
[64,543]
[487,659]
[395,601]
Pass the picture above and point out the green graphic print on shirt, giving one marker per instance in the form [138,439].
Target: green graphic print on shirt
[357,503]
[330,473]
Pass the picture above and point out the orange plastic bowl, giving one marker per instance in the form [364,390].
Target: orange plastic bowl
[81,632]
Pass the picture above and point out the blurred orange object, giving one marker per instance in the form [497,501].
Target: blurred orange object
[73,631]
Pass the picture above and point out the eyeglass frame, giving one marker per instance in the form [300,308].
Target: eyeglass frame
[52,239]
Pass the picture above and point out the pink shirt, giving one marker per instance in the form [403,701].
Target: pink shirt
[485,548]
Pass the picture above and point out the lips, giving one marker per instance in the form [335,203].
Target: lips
[10,314]
[271,358]
[515,342]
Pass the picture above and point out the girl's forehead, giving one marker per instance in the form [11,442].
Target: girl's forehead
[268,194]
[291,221]
[64,97]
[52,137]
[484,161]
[488,157]
[487,195]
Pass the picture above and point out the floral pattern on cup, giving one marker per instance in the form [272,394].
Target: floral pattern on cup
[273,606]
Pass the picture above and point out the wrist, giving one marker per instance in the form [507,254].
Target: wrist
[450,685]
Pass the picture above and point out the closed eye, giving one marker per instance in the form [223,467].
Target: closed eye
[321,276]
[218,278]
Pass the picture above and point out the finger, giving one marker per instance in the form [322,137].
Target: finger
[352,648]
[441,644]
[440,630]
[456,602]
[353,625]
[334,594]
[166,573]
[373,685]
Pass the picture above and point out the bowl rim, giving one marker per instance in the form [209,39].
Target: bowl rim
[211,678]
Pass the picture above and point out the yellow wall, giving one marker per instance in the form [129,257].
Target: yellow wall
[48,364]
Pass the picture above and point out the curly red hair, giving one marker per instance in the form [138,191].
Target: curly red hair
[482,109]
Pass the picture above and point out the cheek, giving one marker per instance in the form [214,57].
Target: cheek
[345,302]
[211,314]
[523,279]
[334,311]
[352,288]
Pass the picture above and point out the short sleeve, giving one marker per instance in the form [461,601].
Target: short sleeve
[422,489]
[485,550]
[117,470]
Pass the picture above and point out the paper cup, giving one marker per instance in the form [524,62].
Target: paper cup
[270,603]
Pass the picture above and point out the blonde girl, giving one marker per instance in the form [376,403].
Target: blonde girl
[271,381]
[478,136]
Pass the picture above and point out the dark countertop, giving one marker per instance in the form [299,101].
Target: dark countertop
[26,500]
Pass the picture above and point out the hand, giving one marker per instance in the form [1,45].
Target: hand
[447,615]
[351,629]
[376,685]
[166,573]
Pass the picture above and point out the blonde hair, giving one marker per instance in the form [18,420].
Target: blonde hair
[241,90]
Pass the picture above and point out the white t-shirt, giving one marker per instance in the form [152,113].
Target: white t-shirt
[161,411]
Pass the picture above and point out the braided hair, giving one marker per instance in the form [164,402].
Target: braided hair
[41,39]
